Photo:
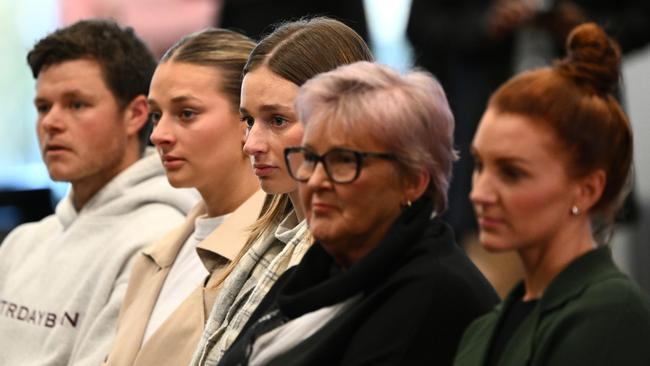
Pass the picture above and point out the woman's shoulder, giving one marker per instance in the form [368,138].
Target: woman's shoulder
[436,270]
[438,259]
[608,322]
[611,296]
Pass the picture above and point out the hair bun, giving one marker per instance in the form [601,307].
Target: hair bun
[593,59]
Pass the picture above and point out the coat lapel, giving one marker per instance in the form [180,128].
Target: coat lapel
[231,236]
[147,277]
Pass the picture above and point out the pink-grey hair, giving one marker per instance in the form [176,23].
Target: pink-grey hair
[408,114]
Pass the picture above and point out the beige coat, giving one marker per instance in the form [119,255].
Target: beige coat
[176,339]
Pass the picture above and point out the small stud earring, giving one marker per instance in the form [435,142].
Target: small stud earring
[575,211]
[408,203]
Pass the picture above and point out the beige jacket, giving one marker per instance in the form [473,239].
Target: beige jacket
[176,339]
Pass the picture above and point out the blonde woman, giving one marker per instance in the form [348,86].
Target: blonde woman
[194,102]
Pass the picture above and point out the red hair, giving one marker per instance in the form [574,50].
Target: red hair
[574,99]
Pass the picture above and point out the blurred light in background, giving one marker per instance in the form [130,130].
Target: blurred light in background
[22,23]
[387,21]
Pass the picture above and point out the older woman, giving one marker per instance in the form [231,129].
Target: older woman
[385,283]
[553,153]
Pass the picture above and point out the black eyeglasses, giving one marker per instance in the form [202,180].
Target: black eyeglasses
[341,165]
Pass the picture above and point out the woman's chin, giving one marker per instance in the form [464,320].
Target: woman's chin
[319,235]
[271,185]
[493,244]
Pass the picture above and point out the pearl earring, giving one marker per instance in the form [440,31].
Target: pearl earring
[575,211]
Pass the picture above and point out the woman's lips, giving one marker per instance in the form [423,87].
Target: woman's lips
[487,222]
[263,170]
[321,207]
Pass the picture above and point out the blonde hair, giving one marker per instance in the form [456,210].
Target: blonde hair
[227,52]
[223,49]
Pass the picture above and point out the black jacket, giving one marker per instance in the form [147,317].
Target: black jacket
[418,293]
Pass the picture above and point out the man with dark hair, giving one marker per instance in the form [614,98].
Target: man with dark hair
[62,279]
[124,60]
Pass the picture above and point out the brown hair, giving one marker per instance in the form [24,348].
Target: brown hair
[222,49]
[298,51]
[574,99]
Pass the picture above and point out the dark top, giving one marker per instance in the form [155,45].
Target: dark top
[418,293]
[512,319]
[590,314]
[257,18]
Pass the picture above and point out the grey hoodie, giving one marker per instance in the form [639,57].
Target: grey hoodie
[62,279]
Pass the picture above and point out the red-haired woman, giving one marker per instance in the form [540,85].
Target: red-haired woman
[553,155]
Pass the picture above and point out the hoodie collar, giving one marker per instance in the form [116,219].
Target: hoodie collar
[141,183]
[146,166]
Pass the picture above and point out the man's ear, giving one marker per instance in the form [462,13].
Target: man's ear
[136,115]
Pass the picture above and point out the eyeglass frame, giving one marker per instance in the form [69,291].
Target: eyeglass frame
[358,155]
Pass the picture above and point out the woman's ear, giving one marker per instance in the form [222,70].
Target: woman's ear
[589,190]
[136,115]
[416,185]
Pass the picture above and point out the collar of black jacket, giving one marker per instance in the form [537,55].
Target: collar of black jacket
[318,281]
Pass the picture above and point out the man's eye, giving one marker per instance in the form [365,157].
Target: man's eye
[77,105]
[42,108]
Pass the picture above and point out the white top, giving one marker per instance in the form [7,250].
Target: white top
[63,279]
[187,273]
[282,339]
